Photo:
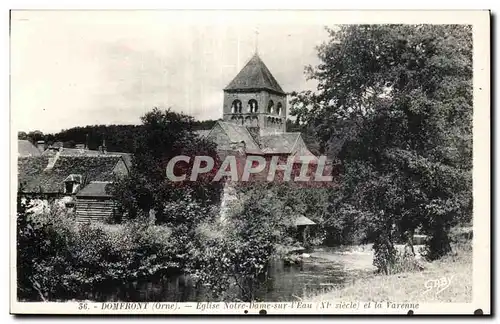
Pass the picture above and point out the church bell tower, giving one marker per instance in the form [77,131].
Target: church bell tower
[255,99]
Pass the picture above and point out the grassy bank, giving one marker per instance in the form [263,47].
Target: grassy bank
[428,285]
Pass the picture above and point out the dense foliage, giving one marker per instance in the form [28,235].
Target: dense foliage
[236,251]
[163,135]
[394,104]
[118,138]
[59,259]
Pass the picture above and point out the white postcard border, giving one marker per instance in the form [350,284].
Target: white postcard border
[481,159]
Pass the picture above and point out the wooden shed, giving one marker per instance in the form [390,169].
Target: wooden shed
[95,203]
[87,178]
[303,224]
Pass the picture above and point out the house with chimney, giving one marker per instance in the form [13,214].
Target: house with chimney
[79,180]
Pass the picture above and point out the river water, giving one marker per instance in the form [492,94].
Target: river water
[321,271]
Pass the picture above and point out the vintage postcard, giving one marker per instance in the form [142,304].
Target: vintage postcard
[250,162]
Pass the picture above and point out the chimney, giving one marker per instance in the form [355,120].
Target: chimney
[52,161]
[255,132]
[40,145]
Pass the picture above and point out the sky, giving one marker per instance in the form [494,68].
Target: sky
[78,68]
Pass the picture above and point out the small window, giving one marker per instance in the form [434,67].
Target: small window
[68,187]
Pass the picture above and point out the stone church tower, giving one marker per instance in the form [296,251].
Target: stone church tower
[255,99]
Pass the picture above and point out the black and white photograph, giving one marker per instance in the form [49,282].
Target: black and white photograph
[249,162]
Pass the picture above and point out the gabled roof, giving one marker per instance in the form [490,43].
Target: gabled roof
[239,133]
[282,143]
[33,177]
[26,148]
[302,220]
[286,143]
[254,76]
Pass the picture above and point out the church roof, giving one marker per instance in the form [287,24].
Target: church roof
[281,143]
[255,76]
[237,134]
[286,143]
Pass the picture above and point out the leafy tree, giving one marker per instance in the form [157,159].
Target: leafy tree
[22,135]
[204,124]
[394,103]
[236,252]
[163,135]
[118,138]
[35,136]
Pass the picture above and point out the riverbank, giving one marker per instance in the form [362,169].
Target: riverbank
[446,280]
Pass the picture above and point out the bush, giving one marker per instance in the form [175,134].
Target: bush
[59,259]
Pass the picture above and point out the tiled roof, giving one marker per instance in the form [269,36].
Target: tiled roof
[283,143]
[95,189]
[29,168]
[238,133]
[255,76]
[26,148]
[33,177]
[127,157]
[286,143]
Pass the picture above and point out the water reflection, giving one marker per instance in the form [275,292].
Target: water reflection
[282,283]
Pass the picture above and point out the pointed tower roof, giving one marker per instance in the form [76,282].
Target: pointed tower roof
[255,76]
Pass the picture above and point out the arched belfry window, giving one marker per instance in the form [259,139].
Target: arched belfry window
[253,107]
[270,107]
[236,107]
[279,109]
